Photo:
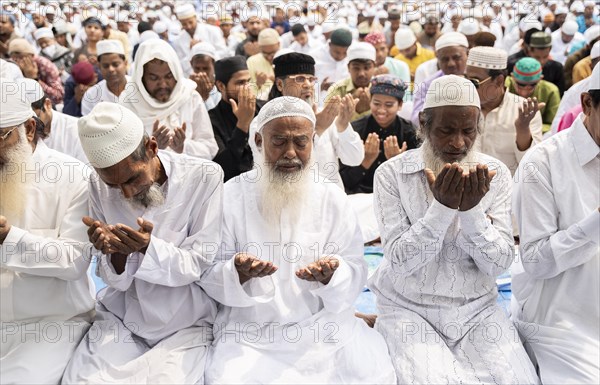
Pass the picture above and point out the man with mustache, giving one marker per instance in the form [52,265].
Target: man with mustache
[155,219]
[444,216]
[290,268]
[45,302]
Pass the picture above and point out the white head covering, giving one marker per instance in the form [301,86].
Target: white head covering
[451,39]
[577,6]
[561,10]
[404,38]
[43,33]
[451,90]
[31,90]
[15,107]
[594,83]
[361,50]
[160,27]
[570,27]
[203,48]
[595,51]
[109,134]
[185,11]
[144,105]
[590,34]
[468,26]
[109,46]
[487,57]
[526,24]
[148,35]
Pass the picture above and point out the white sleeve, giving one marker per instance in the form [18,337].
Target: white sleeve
[348,145]
[200,138]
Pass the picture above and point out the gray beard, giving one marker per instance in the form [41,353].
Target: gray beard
[433,160]
[13,182]
[154,197]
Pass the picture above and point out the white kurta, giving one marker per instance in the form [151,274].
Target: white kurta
[294,330]
[204,32]
[153,322]
[332,147]
[327,67]
[560,50]
[96,94]
[556,285]
[64,136]
[570,99]
[46,298]
[436,287]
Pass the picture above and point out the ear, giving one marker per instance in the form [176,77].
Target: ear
[500,80]
[30,128]
[221,87]
[48,104]
[279,84]
[586,103]
[151,147]
[258,140]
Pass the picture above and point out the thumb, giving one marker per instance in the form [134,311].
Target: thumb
[183,127]
[145,225]
[492,174]
[155,127]
[88,221]
[404,146]
[234,105]
[541,106]
[430,177]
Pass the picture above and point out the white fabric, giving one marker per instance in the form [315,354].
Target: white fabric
[556,287]
[487,57]
[109,46]
[436,287]
[185,11]
[204,32]
[498,135]
[31,89]
[451,39]
[570,99]
[156,298]
[100,93]
[203,48]
[361,50]
[43,33]
[10,71]
[273,320]
[560,50]
[404,38]
[64,136]
[451,90]
[326,67]
[285,106]
[306,49]
[184,106]
[425,71]
[15,106]
[109,134]
[46,298]
[595,51]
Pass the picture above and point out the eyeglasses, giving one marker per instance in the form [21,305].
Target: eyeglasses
[300,79]
[526,85]
[477,82]
[3,137]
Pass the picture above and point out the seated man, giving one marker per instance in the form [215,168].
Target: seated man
[45,303]
[444,215]
[290,268]
[167,103]
[556,297]
[156,221]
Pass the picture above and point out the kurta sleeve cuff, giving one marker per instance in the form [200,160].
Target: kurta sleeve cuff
[473,221]
[590,226]
[10,245]
[347,134]
[439,216]
[334,293]
[119,282]
[252,292]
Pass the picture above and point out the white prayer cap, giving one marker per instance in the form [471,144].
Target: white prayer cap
[15,107]
[468,26]
[589,3]
[109,134]
[592,33]
[451,90]
[159,27]
[570,27]
[577,7]
[151,15]
[268,36]
[404,38]
[561,10]
[185,11]
[594,82]
[487,57]
[282,107]
[361,50]
[328,26]
[595,51]
[109,46]
[122,17]
[451,39]
[203,48]
[43,33]
[31,90]
[148,35]
[526,24]
[282,52]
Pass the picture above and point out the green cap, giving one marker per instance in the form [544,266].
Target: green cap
[527,70]
[341,37]
[540,40]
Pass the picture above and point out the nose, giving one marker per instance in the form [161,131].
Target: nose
[290,151]
[458,142]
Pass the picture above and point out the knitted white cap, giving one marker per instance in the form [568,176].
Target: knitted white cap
[361,50]
[451,90]
[109,46]
[203,48]
[268,36]
[185,11]
[160,27]
[15,106]
[31,90]
[570,27]
[469,26]
[404,38]
[594,82]
[487,57]
[109,134]
[592,33]
[285,106]
[451,39]
[595,51]
[43,33]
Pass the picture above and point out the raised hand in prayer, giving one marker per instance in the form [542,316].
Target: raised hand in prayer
[249,266]
[364,100]
[346,111]
[28,66]
[100,234]
[371,150]
[245,107]
[162,135]
[129,240]
[477,184]
[325,84]
[4,228]
[526,114]
[327,115]
[391,147]
[203,84]
[321,270]
[178,139]
[261,78]
[251,48]
[448,186]
[79,92]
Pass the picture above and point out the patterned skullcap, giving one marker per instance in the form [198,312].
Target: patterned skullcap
[527,70]
[487,57]
[390,85]
[375,38]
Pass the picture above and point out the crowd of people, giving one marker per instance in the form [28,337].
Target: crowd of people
[220,166]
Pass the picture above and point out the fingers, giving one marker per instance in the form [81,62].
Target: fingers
[234,105]
[155,126]
[125,233]
[404,147]
[88,221]
[145,225]
[442,176]
[430,177]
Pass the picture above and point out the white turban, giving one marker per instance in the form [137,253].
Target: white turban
[43,33]
[109,134]
[451,90]
[15,107]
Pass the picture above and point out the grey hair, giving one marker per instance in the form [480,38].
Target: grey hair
[140,152]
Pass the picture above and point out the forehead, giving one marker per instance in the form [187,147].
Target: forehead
[110,57]
[202,60]
[455,117]
[240,75]
[157,67]
[293,125]
[383,98]
[450,51]
[361,64]
[121,172]
[476,72]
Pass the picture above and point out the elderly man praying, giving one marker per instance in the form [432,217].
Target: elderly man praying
[290,268]
[444,215]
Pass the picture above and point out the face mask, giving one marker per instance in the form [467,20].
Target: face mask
[50,50]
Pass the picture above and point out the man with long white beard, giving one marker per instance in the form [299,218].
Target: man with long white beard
[444,216]
[46,304]
[290,268]
[156,219]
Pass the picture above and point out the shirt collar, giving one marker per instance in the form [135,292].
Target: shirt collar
[165,161]
[585,147]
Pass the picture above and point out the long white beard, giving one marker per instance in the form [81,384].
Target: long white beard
[13,181]
[283,191]
[434,161]
[154,197]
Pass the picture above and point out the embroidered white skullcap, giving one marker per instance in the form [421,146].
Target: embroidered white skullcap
[361,50]
[487,57]
[109,134]
[404,38]
[569,27]
[15,107]
[451,90]
[451,39]
[328,26]
[268,36]
[185,11]
[109,46]
[282,107]
[594,82]
[31,90]
[595,51]
[203,48]
[43,33]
